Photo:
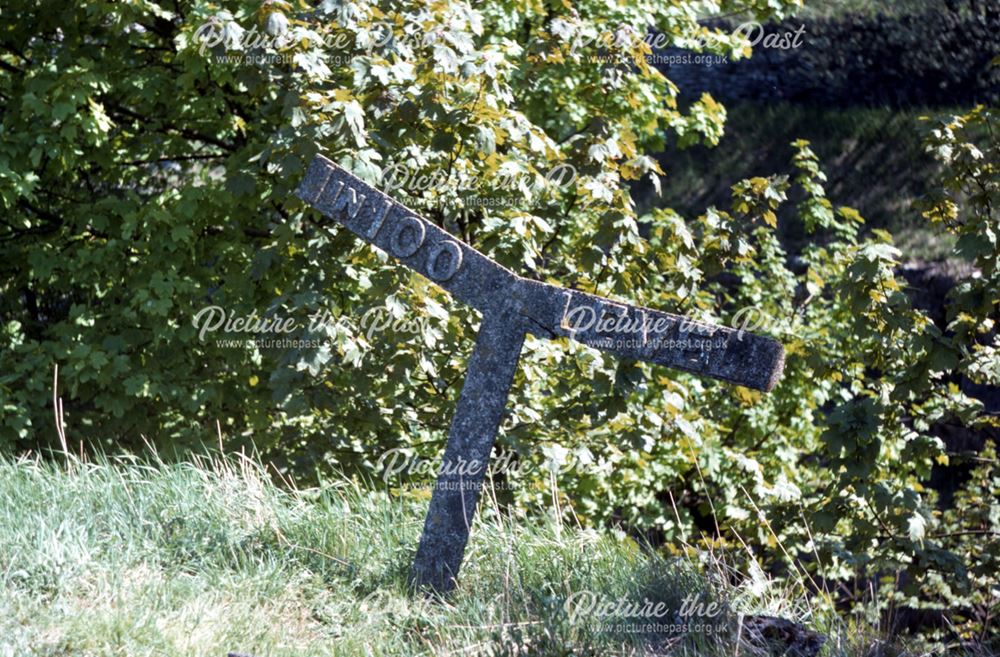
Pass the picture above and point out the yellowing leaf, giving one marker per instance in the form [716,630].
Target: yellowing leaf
[746,396]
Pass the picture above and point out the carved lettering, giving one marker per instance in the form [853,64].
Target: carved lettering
[347,200]
[407,226]
[377,220]
[452,261]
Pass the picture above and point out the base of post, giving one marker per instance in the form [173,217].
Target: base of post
[466,457]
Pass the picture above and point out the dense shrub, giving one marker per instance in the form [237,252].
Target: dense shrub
[937,56]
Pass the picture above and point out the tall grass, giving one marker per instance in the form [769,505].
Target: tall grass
[122,557]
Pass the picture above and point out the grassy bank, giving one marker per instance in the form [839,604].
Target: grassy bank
[200,559]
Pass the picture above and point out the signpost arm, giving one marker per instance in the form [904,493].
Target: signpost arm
[644,334]
[470,441]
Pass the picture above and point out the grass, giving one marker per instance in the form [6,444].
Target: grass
[201,558]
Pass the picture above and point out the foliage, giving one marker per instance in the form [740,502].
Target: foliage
[149,157]
[827,474]
[968,206]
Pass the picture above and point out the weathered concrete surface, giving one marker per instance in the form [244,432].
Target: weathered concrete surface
[511,307]
[417,243]
[643,334]
[470,441]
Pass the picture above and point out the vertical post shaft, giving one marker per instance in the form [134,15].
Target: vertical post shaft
[466,457]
